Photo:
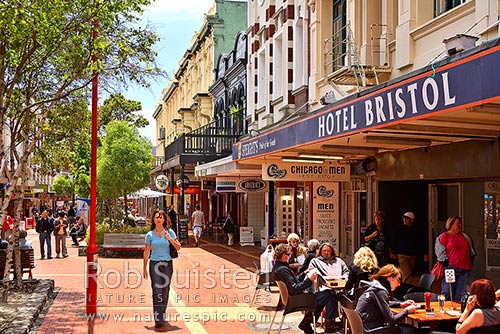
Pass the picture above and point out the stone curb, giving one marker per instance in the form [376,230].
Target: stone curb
[28,314]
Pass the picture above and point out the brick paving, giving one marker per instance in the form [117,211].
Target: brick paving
[211,292]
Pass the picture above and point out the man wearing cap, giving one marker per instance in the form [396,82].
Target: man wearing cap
[405,245]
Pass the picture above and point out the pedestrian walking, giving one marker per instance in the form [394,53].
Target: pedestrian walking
[44,227]
[157,252]
[198,221]
[229,228]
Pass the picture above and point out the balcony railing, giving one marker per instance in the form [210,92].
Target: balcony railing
[213,141]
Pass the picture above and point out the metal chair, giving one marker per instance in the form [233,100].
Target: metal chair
[293,303]
[264,281]
[426,281]
[346,302]
[495,329]
[418,297]
[356,324]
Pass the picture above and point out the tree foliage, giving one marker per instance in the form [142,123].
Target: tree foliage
[118,108]
[124,161]
[47,53]
[63,186]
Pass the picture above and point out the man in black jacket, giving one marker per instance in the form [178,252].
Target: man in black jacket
[44,227]
[295,284]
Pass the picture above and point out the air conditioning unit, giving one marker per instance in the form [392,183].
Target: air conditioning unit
[459,43]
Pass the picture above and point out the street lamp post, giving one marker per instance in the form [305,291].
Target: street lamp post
[92,247]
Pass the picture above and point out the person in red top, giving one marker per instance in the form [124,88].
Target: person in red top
[7,227]
[455,250]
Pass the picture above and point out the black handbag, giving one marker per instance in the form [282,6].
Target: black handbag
[173,252]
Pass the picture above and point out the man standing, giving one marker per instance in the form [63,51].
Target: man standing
[60,232]
[198,222]
[406,245]
[44,227]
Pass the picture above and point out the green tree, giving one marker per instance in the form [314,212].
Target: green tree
[63,186]
[48,55]
[118,108]
[124,162]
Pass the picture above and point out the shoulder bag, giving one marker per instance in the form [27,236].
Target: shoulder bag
[173,252]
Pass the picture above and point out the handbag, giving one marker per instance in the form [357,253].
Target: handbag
[173,252]
[438,271]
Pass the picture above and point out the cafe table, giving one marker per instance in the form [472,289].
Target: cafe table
[423,318]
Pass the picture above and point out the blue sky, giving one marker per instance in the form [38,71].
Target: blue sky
[175,22]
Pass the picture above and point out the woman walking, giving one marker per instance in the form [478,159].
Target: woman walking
[157,252]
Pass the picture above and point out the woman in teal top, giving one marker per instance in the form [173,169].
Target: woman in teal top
[157,252]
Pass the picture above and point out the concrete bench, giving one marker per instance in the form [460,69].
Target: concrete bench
[123,241]
[27,261]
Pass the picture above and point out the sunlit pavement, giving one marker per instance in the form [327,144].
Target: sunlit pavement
[211,292]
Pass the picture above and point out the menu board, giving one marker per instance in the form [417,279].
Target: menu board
[326,212]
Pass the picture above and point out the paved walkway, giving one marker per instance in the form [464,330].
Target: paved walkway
[211,292]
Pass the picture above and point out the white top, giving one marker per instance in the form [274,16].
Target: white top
[198,218]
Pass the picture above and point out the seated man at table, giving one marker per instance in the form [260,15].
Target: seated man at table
[374,306]
[296,284]
[328,264]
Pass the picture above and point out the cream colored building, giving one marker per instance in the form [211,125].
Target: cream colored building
[415,121]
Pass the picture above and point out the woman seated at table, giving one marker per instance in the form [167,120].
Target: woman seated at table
[363,265]
[298,252]
[480,310]
[374,305]
[328,264]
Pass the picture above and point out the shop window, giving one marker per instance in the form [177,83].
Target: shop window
[442,6]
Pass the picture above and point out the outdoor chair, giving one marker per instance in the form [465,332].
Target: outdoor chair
[264,281]
[346,302]
[356,324]
[418,297]
[426,281]
[293,303]
[495,329]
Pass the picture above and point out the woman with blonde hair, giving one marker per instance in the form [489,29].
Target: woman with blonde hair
[363,265]
[374,305]
[297,250]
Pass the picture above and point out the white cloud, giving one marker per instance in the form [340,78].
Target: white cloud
[181,9]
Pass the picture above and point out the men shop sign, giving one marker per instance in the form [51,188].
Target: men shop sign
[238,184]
[301,171]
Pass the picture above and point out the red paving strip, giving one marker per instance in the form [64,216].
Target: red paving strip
[210,293]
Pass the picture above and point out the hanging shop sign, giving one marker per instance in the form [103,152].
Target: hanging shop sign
[161,182]
[240,184]
[301,171]
[326,212]
[182,182]
[187,191]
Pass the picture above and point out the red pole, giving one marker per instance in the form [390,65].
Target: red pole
[92,247]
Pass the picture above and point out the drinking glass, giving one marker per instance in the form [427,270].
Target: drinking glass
[441,299]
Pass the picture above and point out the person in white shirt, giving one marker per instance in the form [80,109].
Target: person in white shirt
[198,223]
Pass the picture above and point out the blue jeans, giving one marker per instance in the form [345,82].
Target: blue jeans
[328,299]
[44,237]
[459,287]
[160,273]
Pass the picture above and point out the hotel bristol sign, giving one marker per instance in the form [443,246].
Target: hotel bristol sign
[301,171]
[464,83]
